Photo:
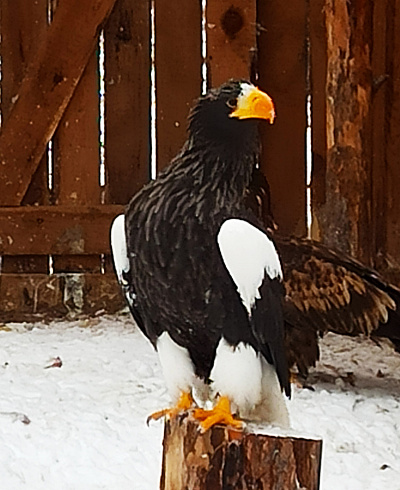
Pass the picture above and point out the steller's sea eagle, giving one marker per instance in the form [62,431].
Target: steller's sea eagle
[200,271]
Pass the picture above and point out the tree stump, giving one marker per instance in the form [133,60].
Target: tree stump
[226,459]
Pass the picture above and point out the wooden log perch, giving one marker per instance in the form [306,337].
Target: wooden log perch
[225,459]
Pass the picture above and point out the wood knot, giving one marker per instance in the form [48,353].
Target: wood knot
[58,78]
[232,21]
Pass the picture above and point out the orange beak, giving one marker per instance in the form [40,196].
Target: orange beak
[252,103]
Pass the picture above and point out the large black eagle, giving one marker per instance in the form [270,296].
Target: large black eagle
[200,271]
[196,256]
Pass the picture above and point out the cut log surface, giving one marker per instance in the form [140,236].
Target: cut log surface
[225,459]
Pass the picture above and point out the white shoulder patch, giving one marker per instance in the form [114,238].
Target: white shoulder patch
[248,255]
[118,247]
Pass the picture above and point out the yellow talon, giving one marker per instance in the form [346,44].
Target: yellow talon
[184,403]
[220,415]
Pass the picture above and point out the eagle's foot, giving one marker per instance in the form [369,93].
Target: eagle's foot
[220,415]
[185,402]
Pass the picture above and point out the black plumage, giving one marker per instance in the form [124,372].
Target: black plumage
[177,280]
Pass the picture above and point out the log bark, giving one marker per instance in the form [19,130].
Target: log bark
[345,218]
[224,459]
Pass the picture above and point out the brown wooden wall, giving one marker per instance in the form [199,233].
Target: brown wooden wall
[54,240]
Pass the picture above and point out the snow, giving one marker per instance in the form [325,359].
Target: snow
[83,425]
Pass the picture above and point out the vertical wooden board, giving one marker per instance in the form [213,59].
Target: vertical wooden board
[76,144]
[345,218]
[127,74]
[393,137]
[282,73]
[317,33]
[231,39]
[22,23]
[76,156]
[178,72]
[380,92]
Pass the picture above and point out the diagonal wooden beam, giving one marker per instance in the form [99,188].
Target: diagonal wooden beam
[46,89]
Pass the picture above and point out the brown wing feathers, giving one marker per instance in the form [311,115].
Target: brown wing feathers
[325,290]
[332,296]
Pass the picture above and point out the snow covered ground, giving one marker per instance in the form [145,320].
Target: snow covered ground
[83,425]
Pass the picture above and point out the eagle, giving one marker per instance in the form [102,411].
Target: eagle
[227,301]
[326,290]
[201,273]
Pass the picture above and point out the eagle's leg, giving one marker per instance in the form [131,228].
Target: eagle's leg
[184,403]
[220,415]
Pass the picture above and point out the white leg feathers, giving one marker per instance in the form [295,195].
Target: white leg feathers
[176,365]
[272,407]
[237,374]
[251,383]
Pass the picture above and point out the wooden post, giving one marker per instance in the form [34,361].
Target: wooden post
[178,73]
[223,459]
[345,218]
[282,74]
[127,68]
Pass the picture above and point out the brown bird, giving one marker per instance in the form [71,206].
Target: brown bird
[326,290]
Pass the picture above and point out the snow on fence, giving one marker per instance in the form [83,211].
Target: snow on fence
[84,125]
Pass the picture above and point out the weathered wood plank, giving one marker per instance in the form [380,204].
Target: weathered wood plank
[345,219]
[47,87]
[317,33]
[76,150]
[76,145]
[282,73]
[25,264]
[223,458]
[29,297]
[76,155]
[393,141]
[127,69]
[379,62]
[231,39]
[19,41]
[56,229]
[18,45]
[76,263]
[178,72]
[22,24]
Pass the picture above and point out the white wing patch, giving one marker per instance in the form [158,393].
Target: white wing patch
[248,255]
[118,247]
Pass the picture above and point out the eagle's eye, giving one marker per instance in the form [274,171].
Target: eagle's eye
[231,103]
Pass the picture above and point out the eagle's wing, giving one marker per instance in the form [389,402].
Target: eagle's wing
[122,268]
[253,263]
[334,292]
[328,291]
[325,290]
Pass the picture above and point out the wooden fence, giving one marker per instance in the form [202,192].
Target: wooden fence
[56,205]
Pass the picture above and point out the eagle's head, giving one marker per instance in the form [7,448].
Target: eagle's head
[229,113]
